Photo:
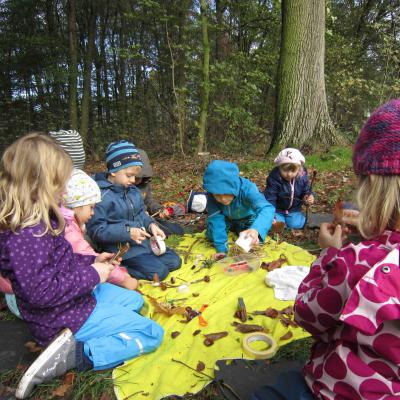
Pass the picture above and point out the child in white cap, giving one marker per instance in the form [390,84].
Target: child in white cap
[288,187]
[82,194]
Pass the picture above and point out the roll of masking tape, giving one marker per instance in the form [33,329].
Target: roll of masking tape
[259,337]
[157,245]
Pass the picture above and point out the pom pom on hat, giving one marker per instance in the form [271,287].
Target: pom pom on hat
[377,149]
[122,154]
[289,156]
[81,190]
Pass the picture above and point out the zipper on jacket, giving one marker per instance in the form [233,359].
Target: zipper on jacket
[292,182]
[130,204]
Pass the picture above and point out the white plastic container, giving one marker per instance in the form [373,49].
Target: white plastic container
[244,242]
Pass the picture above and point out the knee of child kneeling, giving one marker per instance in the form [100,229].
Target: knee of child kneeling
[163,272]
[178,262]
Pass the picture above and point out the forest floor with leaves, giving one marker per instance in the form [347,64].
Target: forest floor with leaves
[174,178]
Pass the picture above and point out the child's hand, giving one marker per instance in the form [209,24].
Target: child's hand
[331,235]
[156,231]
[104,257]
[253,234]
[138,235]
[308,199]
[218,256]
[163,213]
[103,269]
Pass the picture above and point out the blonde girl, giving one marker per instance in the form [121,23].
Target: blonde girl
[350,301]
[59,293]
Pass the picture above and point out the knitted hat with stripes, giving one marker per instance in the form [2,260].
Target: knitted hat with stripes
[377,149]
[71,142]
[122,154]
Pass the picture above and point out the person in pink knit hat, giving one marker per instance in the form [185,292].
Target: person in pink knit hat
[80,198]
[350,301]
[287,188]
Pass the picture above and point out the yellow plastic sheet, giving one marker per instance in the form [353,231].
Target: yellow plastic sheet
[155,375]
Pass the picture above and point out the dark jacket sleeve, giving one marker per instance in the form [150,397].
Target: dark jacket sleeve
[272,190]
[151,204]
[103,230]
[48,274]
[306,186]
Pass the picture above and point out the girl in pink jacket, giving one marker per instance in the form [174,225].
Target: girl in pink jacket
[82,194]
[350,301]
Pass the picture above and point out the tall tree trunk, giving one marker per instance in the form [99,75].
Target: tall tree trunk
[87,73]
[205,86]
[73,66]
[103,60]
[301,115]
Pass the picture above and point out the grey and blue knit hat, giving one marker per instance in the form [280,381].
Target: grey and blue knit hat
[122,154]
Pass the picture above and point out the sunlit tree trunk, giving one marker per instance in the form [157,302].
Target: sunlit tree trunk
[302,117]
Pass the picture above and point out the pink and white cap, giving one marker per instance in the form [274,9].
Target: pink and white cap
[289,156]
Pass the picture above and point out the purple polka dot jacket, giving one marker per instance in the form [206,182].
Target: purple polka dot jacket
[53,286]
[350,303]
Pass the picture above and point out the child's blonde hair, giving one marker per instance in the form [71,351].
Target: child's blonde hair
[33,174]
[378,197]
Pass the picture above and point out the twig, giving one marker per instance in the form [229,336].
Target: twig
[193,369]
[156,213]
[190,249]
[133,394]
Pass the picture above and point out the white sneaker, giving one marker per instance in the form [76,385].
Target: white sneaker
[56,359]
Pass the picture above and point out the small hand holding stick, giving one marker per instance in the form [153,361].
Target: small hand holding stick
[123,249]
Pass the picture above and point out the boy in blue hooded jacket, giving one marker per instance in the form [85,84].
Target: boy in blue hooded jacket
[234,203]
[120,217]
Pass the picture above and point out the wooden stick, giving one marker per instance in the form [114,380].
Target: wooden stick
[193,369]
[190,249]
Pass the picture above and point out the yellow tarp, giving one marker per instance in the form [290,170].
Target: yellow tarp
[155,375]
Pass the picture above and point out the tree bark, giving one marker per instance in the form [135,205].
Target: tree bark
[301,115]
[73,66]
[205,86]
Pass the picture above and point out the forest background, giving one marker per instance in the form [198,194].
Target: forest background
[180,76]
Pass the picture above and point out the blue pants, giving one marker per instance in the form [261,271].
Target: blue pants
[290,386]
[293,220]
[144,266]
[114,331]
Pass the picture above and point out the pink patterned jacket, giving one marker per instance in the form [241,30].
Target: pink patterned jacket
[350,303]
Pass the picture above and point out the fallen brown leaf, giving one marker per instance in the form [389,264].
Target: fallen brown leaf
[200,366]
[67,383]
[286,336]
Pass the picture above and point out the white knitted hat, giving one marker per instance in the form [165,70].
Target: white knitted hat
[81,190]
[289,156]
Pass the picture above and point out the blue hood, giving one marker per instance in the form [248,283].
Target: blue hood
[222,177]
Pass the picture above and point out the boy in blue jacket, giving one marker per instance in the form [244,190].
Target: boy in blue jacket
[288,187]
[234,203]
[120,217]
